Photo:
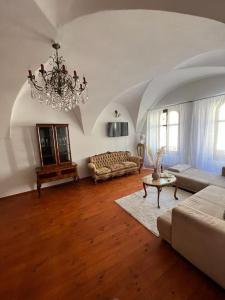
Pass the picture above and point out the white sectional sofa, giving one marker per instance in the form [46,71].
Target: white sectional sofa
[195,180]
[196,227]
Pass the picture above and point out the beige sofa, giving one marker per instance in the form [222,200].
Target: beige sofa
[195,180]
[196,229]
[111,164]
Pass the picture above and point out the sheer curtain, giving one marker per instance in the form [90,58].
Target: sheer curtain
[182,155]
[202,139]
[152,134]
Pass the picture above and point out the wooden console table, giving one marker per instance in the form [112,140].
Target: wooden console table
[53,173]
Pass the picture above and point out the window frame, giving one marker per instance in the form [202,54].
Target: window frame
[168,126]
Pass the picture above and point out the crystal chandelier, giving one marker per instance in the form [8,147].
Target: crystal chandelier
[56,87]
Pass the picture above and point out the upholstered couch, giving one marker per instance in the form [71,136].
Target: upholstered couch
[194,180]
[196,229]
[111,164]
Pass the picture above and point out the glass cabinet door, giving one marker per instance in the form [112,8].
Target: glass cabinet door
[47,148]
[62,137]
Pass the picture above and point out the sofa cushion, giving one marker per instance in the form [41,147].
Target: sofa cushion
[210,200]
[179,168]
[194,179]
[109,158]
[116,167]
[218,181]
[129,164]
[102,171]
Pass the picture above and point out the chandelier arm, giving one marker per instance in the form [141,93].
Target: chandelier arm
[57,88]
[38,87]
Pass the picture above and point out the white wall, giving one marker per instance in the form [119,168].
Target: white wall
[203,88]
[116,50]
[19,154]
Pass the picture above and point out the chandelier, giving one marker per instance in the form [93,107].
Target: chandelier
[56,87]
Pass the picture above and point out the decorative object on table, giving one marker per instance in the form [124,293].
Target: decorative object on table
[166,175]
[145,211]
[55,154]
[155,174]
[112,164]
[159,184]
[155,160]
[56,87]
[116,114]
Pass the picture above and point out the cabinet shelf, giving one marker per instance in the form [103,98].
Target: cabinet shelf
[55,154]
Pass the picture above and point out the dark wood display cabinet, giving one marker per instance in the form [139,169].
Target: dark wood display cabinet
[55,154]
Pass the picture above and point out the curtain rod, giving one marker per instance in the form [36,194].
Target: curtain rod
[188,101]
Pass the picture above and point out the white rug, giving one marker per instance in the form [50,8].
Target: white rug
[145,210]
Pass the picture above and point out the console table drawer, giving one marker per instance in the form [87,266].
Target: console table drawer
[45,175]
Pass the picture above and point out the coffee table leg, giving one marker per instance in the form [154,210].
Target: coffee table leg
[159,190]
[144,186]
[175,191]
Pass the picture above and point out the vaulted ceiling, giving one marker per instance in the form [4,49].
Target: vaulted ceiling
[61,12]
[121,46]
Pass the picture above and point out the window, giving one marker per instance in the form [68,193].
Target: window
[169,129]
[220,130]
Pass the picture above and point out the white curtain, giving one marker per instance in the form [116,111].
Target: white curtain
[202,137]
[152,134]
[181,156]
[196,134]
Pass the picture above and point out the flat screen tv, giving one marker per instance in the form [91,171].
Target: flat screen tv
[116,129]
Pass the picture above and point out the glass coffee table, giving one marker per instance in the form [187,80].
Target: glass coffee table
[159,184]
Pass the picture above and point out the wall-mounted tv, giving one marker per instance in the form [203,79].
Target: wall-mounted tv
[116,129]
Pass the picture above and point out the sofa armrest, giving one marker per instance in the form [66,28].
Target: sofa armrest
[223,171]
[201,239]
[136,159]
[92,167]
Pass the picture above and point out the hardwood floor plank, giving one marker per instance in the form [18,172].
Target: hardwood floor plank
[77,243]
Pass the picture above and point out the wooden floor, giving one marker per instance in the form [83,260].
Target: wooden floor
[76,243]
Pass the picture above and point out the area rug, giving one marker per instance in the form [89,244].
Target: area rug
[145,210]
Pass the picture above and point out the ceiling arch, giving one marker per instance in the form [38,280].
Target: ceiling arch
[117,50]
[61,12]
[210,64]
[166,83]
[191,91]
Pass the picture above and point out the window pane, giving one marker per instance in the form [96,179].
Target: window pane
[222,112]
[163,117]
[220,136]
[162,136]
[173,117]
[173,138]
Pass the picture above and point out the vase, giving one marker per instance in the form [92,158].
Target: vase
[155,174]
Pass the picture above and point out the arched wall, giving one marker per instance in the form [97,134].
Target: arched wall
[119,52]
[19,154]
[191,91]
[114,63]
